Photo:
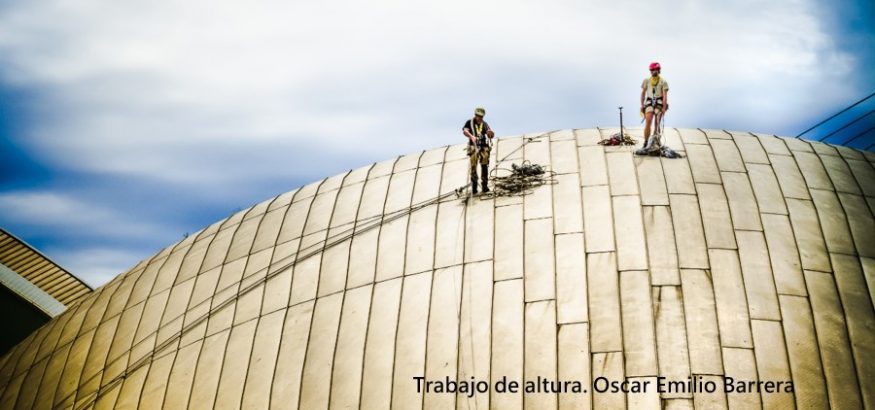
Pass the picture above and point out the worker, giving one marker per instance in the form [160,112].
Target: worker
[479,134]
[654,99]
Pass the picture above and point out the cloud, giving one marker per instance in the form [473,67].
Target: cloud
[94,265]
[92,239]
[145,88]
[65,213]
[211,99]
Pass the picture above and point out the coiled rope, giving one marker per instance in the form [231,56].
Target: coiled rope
[521,180]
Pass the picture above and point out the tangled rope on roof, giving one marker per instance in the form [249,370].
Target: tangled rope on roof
[521,180]
[618,139]
[656,147]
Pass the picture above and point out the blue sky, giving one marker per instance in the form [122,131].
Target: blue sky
[124,125]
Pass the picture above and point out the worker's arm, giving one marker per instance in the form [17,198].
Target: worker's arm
[665,99]
[643,89]
[469,135]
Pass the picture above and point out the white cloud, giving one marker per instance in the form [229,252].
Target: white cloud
[145,87]
[66,213]
[207,97]
[91,239]
[94,265]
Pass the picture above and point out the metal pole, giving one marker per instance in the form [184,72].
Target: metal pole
[622,135]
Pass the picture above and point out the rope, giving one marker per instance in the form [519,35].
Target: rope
[462,192]
[618,139]
[301,255]
[521,180]
[656,145]
[527,140]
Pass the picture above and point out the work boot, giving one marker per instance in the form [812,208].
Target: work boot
[474,188]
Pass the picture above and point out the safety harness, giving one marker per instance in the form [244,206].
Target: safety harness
[653,99]
[482,141]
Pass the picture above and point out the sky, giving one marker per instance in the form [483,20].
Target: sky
[126,125]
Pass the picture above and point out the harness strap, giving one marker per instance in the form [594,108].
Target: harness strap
[477,130]
[653,102]
[653,99]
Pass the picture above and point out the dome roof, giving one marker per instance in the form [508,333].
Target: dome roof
[753,258]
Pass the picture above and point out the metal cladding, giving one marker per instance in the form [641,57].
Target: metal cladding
[30,264]
[750,261]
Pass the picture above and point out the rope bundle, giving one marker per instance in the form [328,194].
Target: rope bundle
[522,180]
[618,139]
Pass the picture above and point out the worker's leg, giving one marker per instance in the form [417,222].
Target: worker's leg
[484,177]
[484,168]
[472,168]
[648,119]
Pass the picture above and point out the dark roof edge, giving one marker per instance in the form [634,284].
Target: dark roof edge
[23,243]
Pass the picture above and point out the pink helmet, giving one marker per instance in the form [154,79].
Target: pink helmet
[654,66]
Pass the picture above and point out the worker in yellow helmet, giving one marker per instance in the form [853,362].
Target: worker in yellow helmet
[654,98]
[479,135]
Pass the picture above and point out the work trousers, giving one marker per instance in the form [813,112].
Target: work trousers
[481,157]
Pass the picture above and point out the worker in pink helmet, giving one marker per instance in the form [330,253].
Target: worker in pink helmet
[654,98]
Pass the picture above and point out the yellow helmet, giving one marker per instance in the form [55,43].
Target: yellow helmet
[480,111]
